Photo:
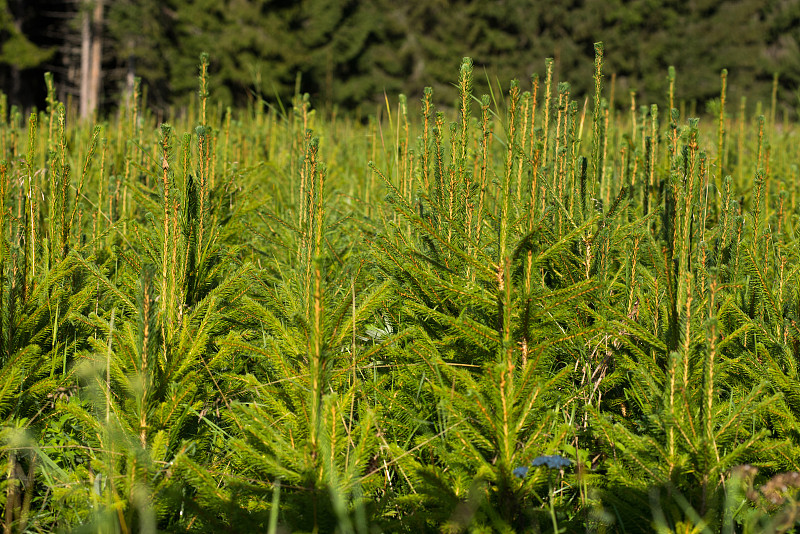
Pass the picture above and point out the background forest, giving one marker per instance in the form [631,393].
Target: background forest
[350,52]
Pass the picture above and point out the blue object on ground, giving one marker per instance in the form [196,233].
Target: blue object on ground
[553,461]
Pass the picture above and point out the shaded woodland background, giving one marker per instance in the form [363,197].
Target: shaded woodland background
[347,53]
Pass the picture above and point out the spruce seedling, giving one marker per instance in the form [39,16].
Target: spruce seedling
[721,162]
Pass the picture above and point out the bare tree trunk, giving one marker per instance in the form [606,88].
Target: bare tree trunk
[86,49]
[95,75]
[130,75]
[91,58]
[16,83]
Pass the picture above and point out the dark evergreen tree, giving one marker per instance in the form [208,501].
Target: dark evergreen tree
[17,52]
[351,53]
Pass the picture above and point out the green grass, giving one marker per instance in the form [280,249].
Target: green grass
[268,320]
